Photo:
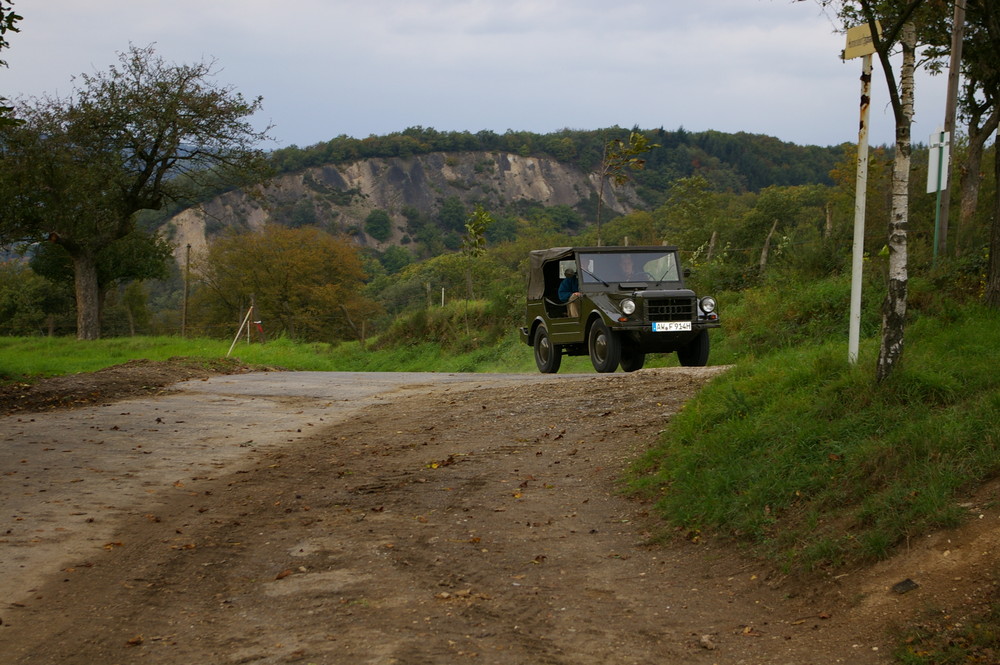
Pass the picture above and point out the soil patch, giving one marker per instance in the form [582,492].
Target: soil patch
[127,380]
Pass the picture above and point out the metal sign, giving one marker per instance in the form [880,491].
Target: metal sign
[859,41]
[937,164]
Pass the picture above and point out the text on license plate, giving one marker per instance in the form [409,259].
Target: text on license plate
[671,326]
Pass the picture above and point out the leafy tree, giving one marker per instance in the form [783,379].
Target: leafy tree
[981,107]
[29,304]
[395,258]
[303,213]
[453,214]
[619,158]
[689,216]
[978,99]
[135,301]
[635,228]
[145,132]
[474,244]
[137,256]
[8,23]
[503,229]
[378,225]
[304,283]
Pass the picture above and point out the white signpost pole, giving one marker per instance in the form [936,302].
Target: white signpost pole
[937,178]
[859,43]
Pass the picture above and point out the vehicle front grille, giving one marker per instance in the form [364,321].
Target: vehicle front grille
[670,309]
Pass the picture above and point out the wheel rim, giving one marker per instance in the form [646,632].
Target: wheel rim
[601,347]
[545,349]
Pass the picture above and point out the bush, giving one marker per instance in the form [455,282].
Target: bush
[378,225]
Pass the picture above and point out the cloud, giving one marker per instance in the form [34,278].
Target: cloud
[331,67]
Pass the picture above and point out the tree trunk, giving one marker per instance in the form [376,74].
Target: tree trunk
[767,247]
[131,319]
[992,295]
[894,305]
[88,296]
[972,176]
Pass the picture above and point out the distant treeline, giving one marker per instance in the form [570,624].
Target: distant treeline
[731,162]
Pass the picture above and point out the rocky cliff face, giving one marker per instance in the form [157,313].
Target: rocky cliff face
[341,197]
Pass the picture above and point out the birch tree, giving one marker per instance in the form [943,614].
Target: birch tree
[894,305]
[896,18]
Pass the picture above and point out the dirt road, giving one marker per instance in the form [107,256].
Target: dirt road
[426,519]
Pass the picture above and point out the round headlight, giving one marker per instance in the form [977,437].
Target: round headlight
[707,304]
[628,306]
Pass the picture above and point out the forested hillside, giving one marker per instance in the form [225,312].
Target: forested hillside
[415,186]
[738,162]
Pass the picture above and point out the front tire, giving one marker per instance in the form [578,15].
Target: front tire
[548,356]
[633,358]
[695,354]
[605,348]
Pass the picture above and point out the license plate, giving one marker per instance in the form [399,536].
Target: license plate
[671,326]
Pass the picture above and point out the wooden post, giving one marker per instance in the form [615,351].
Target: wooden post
[951,102]
[767,246]
[240,331]
[187,280]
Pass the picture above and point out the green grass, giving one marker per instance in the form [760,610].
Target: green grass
[29,358]
[807,459]
[26,358]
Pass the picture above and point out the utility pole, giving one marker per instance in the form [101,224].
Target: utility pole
[187,280]
[957,37]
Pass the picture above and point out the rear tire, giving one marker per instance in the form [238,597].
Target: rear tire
[633,358]
[695,354]
[548,356]
[605,348]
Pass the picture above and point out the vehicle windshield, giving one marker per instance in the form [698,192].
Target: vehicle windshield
[643,266]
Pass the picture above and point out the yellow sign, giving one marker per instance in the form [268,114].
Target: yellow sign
[859,41]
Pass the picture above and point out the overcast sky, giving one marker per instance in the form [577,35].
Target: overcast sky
[361,67]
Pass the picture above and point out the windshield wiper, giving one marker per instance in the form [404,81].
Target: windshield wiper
[606,285]
[664,276]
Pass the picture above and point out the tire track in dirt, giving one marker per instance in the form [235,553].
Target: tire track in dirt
[450,526]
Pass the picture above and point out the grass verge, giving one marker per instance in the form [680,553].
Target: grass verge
[28,358]
[808,460]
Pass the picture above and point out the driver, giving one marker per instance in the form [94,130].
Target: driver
[629,272]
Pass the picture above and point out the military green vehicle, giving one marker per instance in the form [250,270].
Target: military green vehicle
[627,302]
